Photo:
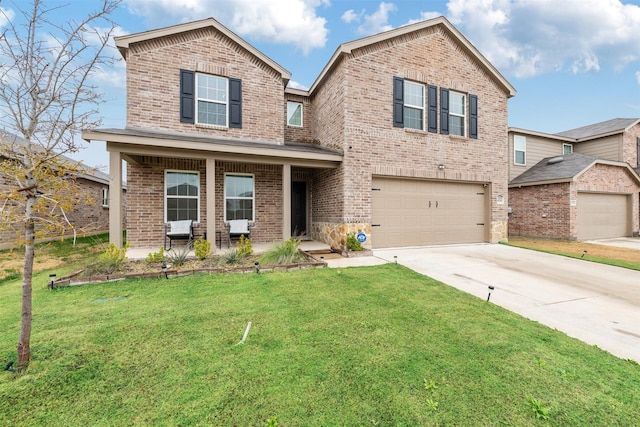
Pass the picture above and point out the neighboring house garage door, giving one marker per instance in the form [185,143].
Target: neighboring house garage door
[410,212]
[602,215]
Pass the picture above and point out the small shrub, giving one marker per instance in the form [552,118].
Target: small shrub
[243,247]
[202,248]
[178,257]
[156,256]
[353,244]
[111,258]
[283,253]
[232,257]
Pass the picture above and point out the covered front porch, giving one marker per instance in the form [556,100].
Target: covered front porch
[209,180]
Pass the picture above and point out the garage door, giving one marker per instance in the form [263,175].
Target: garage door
[408,212]
[602,215]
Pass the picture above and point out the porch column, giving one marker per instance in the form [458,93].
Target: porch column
[211,200]
[286,201]
[115,198]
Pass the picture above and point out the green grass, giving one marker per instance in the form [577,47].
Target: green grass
[357,346]
[586,257]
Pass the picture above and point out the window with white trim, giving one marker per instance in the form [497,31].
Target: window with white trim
[212,94]
[413,105]
[105,197]
[239,200]
[294,113]
[182,195]
[457,113]
[519,150]
[567,148]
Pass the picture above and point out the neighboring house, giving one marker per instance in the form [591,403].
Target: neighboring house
[86,219]
[401,137]
[592,193]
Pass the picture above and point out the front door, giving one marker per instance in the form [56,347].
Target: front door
[298,208]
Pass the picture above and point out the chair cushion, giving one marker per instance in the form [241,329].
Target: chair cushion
[239,226]
[180,227]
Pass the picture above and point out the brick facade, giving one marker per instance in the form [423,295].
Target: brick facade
[349,110]
[550,211]
[87,218]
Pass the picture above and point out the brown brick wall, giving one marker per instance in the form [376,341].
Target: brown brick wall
[86,218]
[357,103]
[153,84]
[542,211]
[146,204]
[630,146]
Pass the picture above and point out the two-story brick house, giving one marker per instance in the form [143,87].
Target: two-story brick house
[402,136]
[579,184]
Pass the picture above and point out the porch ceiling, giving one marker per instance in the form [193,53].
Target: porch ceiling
[136,142]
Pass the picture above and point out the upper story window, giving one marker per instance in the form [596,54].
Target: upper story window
[182,195]
[519,150]
[567,148]
[413,105]
[457,113]
[212,93]
[414,102]
[239,197]
[211,100]
[294,113]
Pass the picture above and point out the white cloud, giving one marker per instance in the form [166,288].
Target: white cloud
[294,23]
[350,16]
[530,37]
[638,76]
[423,17]
[378,21]
[6,16]
[295,85]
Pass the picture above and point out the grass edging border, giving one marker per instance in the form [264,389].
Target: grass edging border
[73,279]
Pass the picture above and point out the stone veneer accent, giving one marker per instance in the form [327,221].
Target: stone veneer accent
[335,234]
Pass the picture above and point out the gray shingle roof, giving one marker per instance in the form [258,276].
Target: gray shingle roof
[556,168]
[613,125]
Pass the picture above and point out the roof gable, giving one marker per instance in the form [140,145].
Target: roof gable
[464,44]
[564,168]
[123,42]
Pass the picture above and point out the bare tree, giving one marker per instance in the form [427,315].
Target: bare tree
[46,98]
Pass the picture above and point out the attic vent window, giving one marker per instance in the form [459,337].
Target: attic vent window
[554,160]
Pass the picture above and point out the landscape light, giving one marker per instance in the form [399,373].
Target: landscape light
[52,280]
[491,288]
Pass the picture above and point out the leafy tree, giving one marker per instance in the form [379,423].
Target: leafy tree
[46,98]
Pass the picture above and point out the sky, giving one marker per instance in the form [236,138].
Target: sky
[572,62]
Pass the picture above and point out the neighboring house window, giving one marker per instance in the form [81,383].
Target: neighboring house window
[182,195]
[567,148]
[105,197]
[210,100]
[294,113]
[519,150]
[239,197]
[413,105]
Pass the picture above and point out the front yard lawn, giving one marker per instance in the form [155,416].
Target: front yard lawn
[356,346]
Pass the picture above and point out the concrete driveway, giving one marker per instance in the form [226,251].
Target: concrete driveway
[595,303]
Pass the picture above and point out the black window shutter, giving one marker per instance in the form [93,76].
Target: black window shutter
[444,111]
[235,103]
[187,96]
[473,116]
[638,154]
[398,102]
[432,99]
